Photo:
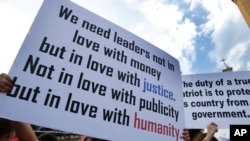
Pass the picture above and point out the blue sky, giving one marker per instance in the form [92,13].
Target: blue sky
[199,33]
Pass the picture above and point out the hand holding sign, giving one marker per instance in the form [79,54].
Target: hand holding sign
[5,83]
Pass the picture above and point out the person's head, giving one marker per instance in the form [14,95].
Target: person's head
[96,139]
[86,138]
[193,132]
[47,137]
[201,136]
[6,130]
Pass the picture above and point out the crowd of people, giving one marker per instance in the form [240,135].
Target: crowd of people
[18,131]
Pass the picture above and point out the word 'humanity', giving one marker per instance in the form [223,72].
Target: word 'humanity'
[151,126]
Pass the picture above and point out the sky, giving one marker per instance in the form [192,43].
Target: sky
[198,33]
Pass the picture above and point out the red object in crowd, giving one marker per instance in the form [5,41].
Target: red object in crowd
[15,139]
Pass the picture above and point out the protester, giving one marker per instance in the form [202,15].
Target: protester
[193,132]
[198,135]
[23,131]
[8,128]
[212,128]
[47,137]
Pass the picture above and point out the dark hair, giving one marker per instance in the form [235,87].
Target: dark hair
[47,137]
[201,136]
[194,132]
[6,126]
[97,139]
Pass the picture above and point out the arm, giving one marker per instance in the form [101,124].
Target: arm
[212,128]
[23,131]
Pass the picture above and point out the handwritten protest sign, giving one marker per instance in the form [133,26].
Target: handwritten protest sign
[79,73]
[223,98]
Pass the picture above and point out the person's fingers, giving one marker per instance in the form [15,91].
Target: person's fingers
[212,127]
[214,124]
[5,83]
[186,138]
[6,76]
[185,134]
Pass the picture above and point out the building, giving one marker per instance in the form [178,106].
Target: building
[227,69]
[244,6]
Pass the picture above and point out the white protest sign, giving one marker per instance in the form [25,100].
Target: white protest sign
[79,73]
[223,98]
